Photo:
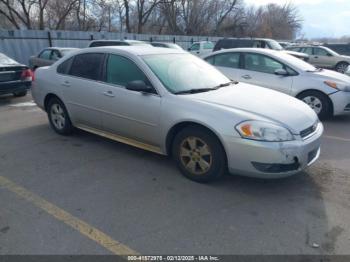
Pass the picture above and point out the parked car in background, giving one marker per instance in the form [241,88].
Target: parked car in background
[173,103]
[326,92]
[228,43]
[201,48]
[126,42]
[48,56]
[324,57]
[15,78]
[166,45]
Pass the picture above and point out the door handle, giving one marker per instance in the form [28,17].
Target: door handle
[316,57]
[66,84]
[109,93]
[247,77]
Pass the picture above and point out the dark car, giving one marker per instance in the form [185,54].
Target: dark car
[15,78]
[227,43]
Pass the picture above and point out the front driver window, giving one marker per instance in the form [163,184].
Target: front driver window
[121,71]
[261,63]
[320,52]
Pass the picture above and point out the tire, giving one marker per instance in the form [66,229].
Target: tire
[341,67]
[20,94]
[199,154]
[58,117]
[319,102]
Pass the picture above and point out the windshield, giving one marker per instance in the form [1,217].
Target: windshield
[274,45]
[331,51]
[297,62]
[182,72]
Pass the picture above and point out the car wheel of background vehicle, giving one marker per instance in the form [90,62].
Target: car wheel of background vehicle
[19,94]
[341,67]
[199,154]
[318,101]
[58,117]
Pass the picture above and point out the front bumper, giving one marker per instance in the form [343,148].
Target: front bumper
[14,86]
[341,102]
[272,159]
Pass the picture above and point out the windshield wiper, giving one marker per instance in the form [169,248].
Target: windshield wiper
[225,84]
[202,90]
[194,91]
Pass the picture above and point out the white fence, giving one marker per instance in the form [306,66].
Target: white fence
[21,44]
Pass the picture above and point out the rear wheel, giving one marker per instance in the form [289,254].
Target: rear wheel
[318,101]
[341,67]
[199,154]
[58,117]
[21,93]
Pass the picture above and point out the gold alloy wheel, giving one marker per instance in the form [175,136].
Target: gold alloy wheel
[195,155]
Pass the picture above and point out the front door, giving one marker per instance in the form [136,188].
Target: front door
[258,69]
[127,113]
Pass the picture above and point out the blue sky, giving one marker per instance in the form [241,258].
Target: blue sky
[322,18]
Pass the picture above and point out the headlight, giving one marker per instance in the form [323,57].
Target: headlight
[264,131]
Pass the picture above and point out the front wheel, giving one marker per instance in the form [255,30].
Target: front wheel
[58,117]
[199,155]
[318,101]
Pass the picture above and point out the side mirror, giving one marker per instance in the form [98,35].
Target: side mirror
[189,49]
[328,54]
[139,86]
[281,72]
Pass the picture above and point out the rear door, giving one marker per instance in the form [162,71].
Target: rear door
[82,90]
[195,49]
[259,69]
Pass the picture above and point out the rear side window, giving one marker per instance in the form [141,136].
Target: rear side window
[307,50]
[64,67]
[320,52]
[121,71]
[87,66]
[230,60]
[195,47]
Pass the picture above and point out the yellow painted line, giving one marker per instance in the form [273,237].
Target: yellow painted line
[338,138]
[82,227]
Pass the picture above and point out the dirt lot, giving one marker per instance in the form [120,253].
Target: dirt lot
[88,195]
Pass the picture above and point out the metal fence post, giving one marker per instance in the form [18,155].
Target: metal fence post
[49,38]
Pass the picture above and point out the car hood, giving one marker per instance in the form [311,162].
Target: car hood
[332,75]
[265,104]
[298,54]
[347,58]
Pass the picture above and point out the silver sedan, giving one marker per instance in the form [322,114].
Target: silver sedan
[173,103]
[326,92]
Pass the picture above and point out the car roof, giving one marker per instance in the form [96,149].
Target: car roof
[61,48]
[135,50]
[247,49]
[246,38]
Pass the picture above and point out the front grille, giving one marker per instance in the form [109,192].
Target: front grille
[308,131]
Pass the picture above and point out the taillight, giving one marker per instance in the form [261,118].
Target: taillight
[27,75]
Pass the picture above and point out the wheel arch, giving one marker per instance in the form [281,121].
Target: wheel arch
[175,129]
[317,91]
[48,97]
